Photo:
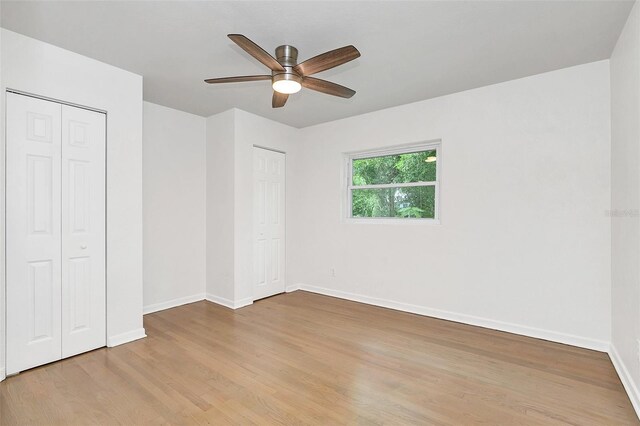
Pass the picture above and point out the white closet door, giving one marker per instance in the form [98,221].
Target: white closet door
[83,231]
[269,222]
[33,227]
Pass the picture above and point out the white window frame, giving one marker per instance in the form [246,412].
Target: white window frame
[400,149]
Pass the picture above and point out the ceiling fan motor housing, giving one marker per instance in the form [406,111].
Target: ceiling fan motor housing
[287,56]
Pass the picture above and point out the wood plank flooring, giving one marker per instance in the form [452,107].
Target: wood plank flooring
[302,358]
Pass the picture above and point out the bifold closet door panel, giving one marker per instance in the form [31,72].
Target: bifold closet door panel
[83,231]
[33,232]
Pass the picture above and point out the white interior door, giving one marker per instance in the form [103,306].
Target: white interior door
[33,229]
[83,231]
[269,222]
[55,231]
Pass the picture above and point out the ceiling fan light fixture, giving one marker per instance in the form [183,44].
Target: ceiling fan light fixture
[287,87]
[287,83]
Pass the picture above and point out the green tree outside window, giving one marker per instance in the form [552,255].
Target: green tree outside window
[413,201]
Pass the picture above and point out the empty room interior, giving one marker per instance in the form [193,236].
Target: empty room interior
[320,212]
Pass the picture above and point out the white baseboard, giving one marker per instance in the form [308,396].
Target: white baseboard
[291,288]
[220,300]
[626,379]
[229,303]
[243,302]
[127,337]
[2,374]
[567,339]
[172,303]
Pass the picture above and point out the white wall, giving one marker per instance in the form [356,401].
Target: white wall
[220,140]
[625,203]
[174,178]
[231,136]
[32,66]
[524,241]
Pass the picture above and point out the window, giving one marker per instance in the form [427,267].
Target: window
[399,184]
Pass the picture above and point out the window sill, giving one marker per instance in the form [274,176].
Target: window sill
[390,221]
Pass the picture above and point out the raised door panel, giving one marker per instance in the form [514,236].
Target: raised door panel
[83,231]
[33,232]
[41,312]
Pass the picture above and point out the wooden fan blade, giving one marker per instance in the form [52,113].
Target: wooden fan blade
[238,79]
[279,99]
[327,87]
[256,51]
[327,60]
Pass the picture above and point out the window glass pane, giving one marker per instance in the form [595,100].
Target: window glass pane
[401,168]
[411,202]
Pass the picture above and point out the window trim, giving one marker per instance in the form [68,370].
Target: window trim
[398,149]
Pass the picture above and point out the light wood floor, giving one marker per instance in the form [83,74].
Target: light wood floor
[302,358]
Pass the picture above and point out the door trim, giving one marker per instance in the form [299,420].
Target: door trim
[270,149]
[58,101]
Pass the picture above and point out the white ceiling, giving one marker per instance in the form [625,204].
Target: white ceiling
[410,50]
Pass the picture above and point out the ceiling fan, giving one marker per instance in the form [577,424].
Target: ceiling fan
[287,75]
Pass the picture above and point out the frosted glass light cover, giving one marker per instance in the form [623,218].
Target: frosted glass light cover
[287,86]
